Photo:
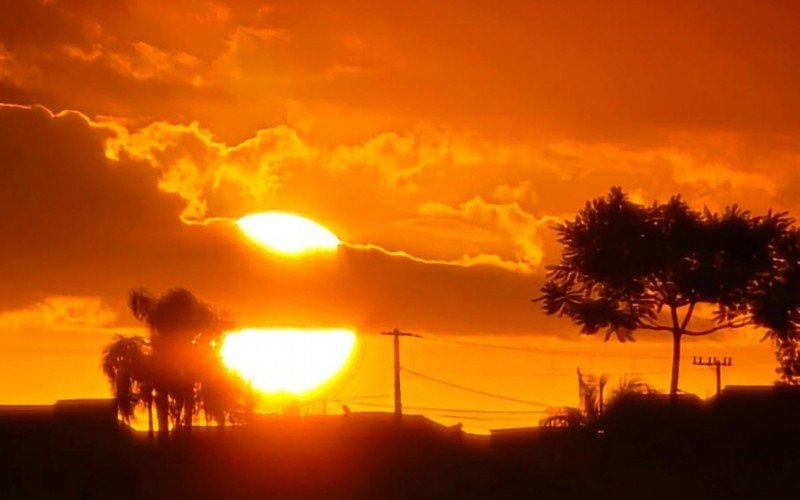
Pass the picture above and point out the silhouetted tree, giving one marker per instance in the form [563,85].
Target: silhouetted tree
[631,385]
[563,417]
[178,368]
[224,397]
[590,394]
[628,267]
[788,363]
[776,308]
[183,331]
[124,364]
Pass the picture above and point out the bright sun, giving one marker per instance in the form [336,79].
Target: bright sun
[287,233]
[287,360]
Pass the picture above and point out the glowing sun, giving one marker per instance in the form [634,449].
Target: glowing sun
[288,361]
[287,233]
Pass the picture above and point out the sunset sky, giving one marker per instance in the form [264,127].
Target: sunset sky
[439,141]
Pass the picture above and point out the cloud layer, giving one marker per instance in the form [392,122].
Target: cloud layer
[88,218]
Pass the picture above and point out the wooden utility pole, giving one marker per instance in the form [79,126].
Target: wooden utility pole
[716,363]
[398,403]
[602,385]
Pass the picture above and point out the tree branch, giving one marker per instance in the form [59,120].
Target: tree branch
[658,328]
[688,316]
[731,324]
[643,321]
[658,288]
[673,311]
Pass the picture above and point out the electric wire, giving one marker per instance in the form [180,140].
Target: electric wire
[474,391]
[438,408]
[490,415]
[535,350]
[39,350]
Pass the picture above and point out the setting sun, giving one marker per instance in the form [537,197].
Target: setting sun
[287,360]
[287,233]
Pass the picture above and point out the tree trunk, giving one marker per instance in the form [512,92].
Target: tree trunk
[150,414]
[188,409]
[162,412]
[676,364]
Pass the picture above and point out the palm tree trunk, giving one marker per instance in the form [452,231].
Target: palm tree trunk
[162,412]
[676,363]
[150,414]
[188,407]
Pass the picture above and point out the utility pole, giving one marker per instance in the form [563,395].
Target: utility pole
[398,404]
[602,385]
[716,363]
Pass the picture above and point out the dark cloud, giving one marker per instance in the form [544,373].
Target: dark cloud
[77,223]
[73,220]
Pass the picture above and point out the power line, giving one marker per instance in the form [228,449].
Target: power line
[475,391]
[438,408]
[535,350]
[482,412]
[571,374]
[481,419]
[37,350]
[366,396]
[458,413]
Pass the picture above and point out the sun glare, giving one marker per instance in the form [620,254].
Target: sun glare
[287,233]
[288,361]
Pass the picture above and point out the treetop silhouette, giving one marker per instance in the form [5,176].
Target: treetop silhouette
[178,367]
[627,267]
[125,364]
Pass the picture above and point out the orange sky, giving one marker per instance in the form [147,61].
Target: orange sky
[455,132]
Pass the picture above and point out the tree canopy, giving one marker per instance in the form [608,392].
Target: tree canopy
[627,267]
[178,367]
[124,363]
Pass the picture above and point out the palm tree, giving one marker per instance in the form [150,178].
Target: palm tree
[124,363]
[146,390]
[222,395]
[182,331]
[178,368]
[590,394]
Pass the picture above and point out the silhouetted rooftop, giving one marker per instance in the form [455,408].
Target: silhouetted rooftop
[25,409]
[92,412]
[745,391]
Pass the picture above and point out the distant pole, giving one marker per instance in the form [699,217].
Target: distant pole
[602,384]
[398,403]
[716,363]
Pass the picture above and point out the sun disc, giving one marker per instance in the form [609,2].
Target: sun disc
[287,233]
[286,360]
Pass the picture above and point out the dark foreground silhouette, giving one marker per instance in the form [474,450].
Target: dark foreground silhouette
[628,268]
[741,445]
